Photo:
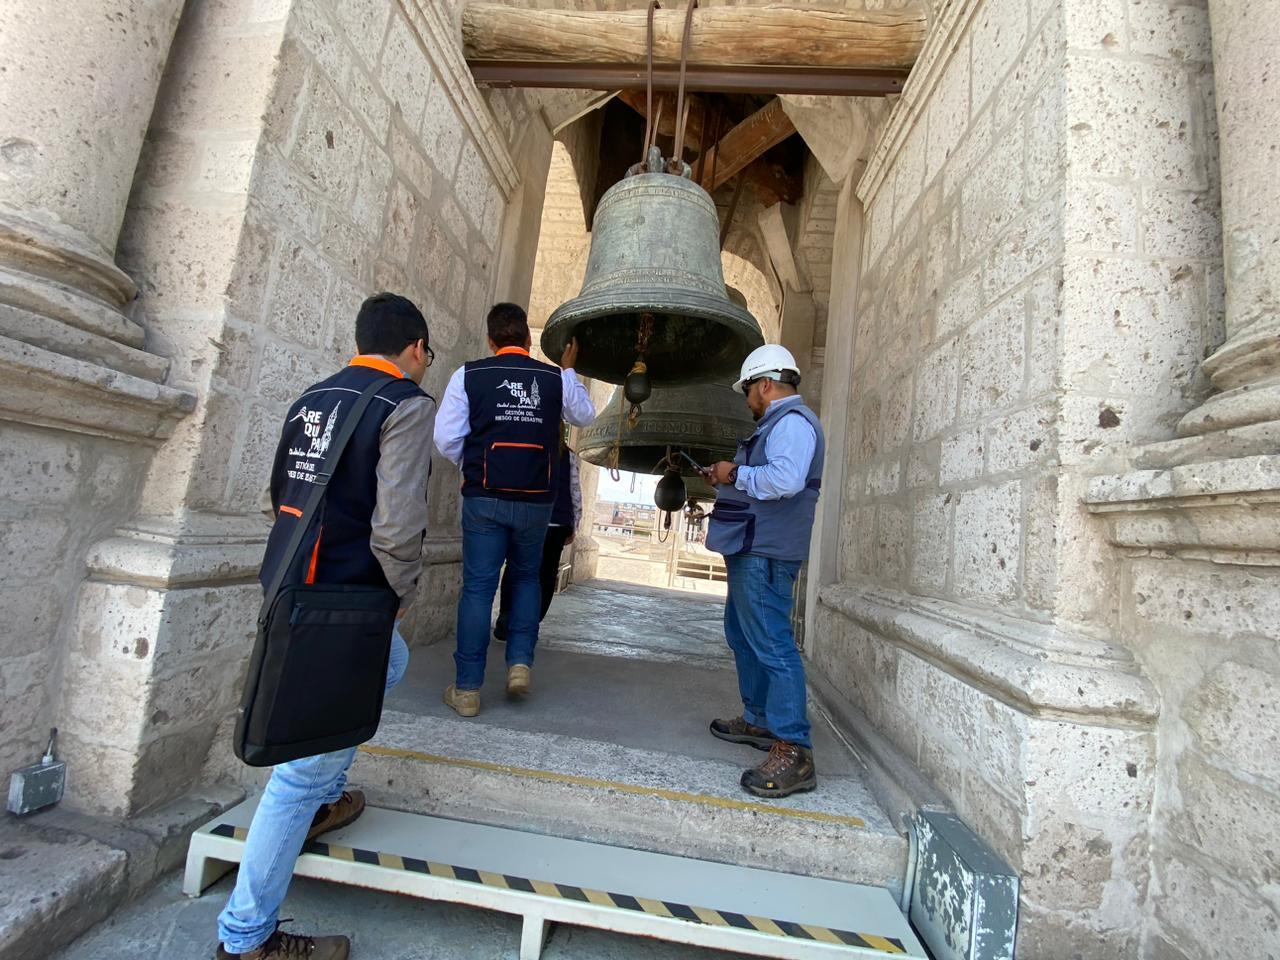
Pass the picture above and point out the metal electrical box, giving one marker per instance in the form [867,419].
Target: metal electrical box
[39,785]
[964,898]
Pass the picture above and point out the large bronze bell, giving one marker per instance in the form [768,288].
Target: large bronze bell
[704,420]
[654,290]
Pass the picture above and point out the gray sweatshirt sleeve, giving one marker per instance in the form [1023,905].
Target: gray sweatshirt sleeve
[400,516]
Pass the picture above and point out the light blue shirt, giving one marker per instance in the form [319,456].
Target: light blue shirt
[789,450]
[453,418]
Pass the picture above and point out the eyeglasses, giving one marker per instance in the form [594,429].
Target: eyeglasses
[431,354]
[746,387]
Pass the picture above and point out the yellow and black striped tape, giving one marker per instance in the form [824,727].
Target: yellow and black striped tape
[620,901]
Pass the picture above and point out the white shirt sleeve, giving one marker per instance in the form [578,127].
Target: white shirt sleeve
[788,452]
[453,419]
[577,406]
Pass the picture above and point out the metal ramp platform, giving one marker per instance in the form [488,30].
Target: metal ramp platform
[548,880]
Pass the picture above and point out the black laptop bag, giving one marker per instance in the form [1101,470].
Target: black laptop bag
[319,665]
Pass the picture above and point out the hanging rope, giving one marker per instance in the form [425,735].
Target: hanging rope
[682,105]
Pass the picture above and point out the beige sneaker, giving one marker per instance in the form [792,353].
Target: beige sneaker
[519,679]
[465,703]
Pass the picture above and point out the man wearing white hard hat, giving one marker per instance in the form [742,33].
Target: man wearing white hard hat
[761,522]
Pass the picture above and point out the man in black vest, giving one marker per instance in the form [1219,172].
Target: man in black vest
[500,421]
[369,531]
[564,522]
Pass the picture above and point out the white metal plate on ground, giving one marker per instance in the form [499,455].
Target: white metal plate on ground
[549,879]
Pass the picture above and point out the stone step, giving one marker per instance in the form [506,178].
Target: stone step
[584,789]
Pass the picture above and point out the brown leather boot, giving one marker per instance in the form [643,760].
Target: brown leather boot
[788,769]
[290,946]
[738,730]
[342,811]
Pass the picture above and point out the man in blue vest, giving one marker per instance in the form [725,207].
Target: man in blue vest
[500,422]
[370,528]
[761,522]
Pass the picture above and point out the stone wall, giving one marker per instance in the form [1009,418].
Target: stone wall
[1039,280]
[302,156]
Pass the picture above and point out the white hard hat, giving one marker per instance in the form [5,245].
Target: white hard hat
[771,358]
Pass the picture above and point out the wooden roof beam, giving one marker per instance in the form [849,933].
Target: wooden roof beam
[723,36]
[746,143]
[637,101]
[771,183]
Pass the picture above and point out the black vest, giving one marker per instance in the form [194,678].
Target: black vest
[512,451]
[336,548]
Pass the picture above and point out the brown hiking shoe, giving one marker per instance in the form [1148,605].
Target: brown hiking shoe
[465,703]
[290,946]
[342,811]
[519,679]
[738,730]
[788,769]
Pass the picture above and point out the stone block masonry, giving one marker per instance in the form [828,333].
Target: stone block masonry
[1038,286]
[300,156]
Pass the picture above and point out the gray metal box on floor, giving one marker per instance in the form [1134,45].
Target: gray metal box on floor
[964,898]
[37,786]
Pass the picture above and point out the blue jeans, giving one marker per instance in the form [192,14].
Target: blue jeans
[757,624]
[294,793]
[496,532]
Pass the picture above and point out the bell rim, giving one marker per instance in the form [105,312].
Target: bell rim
[736,320]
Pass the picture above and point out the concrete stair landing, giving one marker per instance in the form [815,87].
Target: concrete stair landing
[614,749]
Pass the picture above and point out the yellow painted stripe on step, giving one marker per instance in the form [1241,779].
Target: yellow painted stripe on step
[681,796]
[880,943]
[765,925]
[391,861]
[546,889]
[341,853]
[598,897]
[655,907]
[711,917]
[441,870]
[493,879]
[821,933]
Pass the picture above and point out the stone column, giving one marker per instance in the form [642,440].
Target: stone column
[76,95]
[1246,368]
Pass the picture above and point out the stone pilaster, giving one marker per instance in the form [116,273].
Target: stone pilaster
[1246,368]
[75,100]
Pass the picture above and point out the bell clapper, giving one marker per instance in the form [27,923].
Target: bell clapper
[636,387]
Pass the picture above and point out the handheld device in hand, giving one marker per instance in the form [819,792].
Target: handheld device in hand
[692,462]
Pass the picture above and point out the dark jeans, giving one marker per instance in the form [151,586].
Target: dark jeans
[494,532]
[552,549]
[757,624]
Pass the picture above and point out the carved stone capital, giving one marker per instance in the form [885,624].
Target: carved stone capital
[1038,669]
[1224,511]
[41,387]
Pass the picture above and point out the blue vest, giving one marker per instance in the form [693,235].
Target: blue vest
[513,449]
[336,548]
[778,529]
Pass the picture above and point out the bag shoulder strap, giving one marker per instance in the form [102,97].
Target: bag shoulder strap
[318,490]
